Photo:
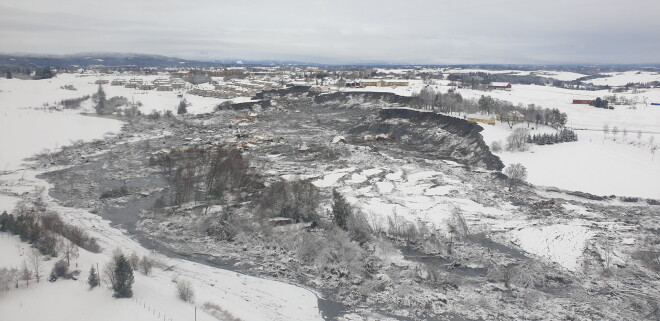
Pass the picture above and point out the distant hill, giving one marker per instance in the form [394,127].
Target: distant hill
[96,59]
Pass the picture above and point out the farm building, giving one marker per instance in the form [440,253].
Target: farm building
[478,118]
[512,116]
[382,83]
[500,85]
[101,82]
[161,82]
[118,82]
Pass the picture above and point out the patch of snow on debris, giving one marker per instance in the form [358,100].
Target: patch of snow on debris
[560,243]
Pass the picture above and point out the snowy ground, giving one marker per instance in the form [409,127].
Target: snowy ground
[592,164]
[623,78]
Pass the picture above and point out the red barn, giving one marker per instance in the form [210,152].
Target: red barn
[500,85]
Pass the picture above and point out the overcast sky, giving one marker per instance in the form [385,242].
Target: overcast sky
[412,31]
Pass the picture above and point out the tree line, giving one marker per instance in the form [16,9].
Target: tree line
[563,136]
[453,102]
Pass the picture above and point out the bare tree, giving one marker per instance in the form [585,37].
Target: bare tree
[36,260]
[517,174]
[458,228]
[606,129]
[615,130]
[625,134]
[517,141]
[68,250]
[8,277]
[26,274]
[134,259]
[146,264]
[639,137]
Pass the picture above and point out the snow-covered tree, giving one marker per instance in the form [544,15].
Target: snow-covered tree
[100,100]
[93,278]
[517,141]
[517,174]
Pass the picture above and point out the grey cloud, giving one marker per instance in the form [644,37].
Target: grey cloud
[416,31]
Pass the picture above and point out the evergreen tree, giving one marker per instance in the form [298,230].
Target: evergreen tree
[9,76]
[93,279]
[182,108]
[123,283]
[341,210]
[100,100]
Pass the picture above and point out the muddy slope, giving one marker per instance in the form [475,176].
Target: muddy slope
[365,97]
[434,135]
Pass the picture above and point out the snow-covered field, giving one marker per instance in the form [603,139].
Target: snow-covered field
[592,164]
[26,130]
[623,78]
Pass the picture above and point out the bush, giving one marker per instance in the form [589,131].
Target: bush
[218,312]
[115,192]
[341,210]
[183,107]
[73,103]
[184,290]
[496,146]
[60,269]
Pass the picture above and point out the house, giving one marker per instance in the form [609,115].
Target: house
[512,116]
[383,83]
[146,87]
[118,82]
[161,82]
[134,83]
[178,83]
[500,85]
[583,102]
[478,118]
